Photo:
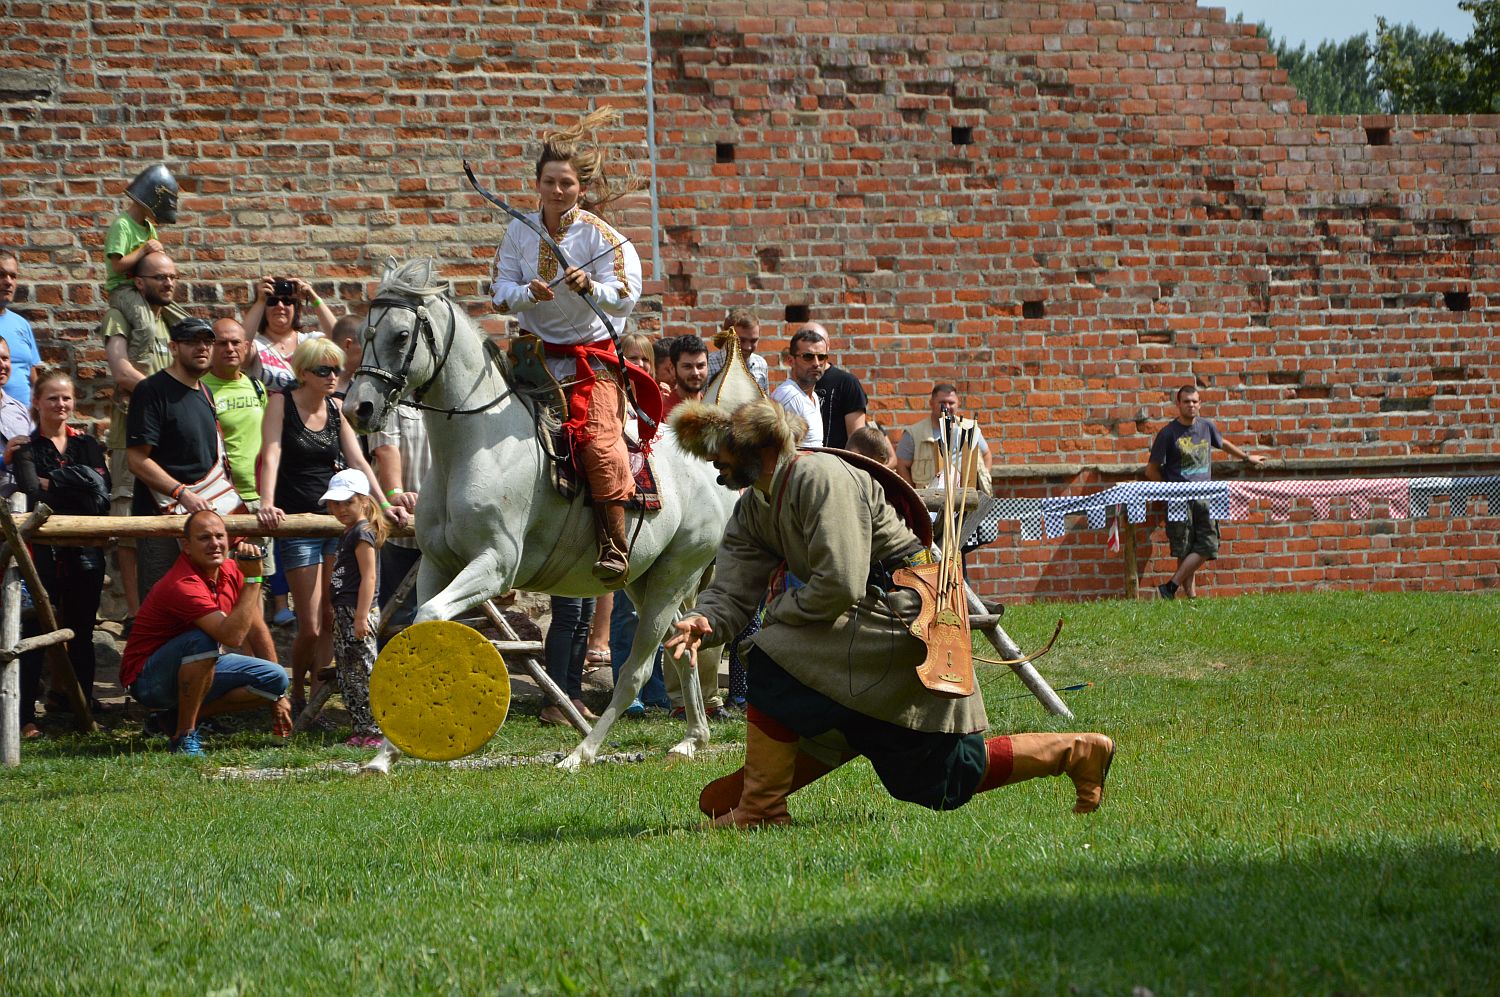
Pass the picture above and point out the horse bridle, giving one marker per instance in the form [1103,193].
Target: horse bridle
[395,381]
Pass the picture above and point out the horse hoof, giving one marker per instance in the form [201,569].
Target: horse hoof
[572,763]
[376,766]
[684,750]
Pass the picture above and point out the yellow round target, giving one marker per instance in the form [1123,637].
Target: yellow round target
[439,690]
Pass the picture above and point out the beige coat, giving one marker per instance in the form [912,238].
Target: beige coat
[830,521]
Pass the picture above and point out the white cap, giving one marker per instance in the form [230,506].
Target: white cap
[346,484]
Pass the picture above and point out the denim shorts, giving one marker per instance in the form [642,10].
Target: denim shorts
[156,687]
[301,552]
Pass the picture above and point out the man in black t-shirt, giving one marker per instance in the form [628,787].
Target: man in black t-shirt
[841,398]
[172,436]
[1183,451]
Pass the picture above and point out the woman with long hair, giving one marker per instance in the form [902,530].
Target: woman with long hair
[564,309]
[304,440]
[69,471]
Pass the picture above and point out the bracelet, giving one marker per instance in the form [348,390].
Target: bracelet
[176,492]
[392,492]
[317,302]
[384,505]
[255,579]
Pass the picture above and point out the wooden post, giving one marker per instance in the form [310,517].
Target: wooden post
[57,656]
[10,671]
[1127,549]
[534,668]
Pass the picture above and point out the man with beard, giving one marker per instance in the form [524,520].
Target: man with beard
[835,660]
[134,354]
[690,370]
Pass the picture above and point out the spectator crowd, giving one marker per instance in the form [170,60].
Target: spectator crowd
[243,415]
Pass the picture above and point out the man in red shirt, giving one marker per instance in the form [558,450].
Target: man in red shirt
[175,655]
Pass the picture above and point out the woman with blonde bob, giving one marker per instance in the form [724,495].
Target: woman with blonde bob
[304,441]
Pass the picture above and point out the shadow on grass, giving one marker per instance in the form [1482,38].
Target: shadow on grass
[1381,917]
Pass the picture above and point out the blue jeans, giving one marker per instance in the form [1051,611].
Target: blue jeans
[622,625]
[156,687]
[299,552]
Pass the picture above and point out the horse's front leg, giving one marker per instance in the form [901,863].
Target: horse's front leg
[478,580]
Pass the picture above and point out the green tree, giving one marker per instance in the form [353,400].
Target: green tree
[1334,78]
[1420,73]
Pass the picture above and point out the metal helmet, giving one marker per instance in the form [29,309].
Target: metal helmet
[156,189]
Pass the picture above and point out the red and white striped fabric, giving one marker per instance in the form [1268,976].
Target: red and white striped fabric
[1394,492]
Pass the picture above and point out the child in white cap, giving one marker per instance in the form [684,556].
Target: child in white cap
[352,584]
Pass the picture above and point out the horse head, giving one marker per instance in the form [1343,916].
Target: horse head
[402,353]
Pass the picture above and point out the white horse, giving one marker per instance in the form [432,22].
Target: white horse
[490,520]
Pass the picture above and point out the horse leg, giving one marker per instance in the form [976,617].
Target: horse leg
[692,708]
[655,616]
[480,579]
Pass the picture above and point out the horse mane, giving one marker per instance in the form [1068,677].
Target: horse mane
[417,278]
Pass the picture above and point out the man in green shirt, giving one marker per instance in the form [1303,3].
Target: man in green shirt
[240,401]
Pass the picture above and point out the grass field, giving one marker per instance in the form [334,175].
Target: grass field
[1304,801]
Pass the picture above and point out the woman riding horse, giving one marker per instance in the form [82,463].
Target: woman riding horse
[573,326]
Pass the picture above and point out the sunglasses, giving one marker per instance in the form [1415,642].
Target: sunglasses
[812,357]
[279,299]
[158,276]
[323,370]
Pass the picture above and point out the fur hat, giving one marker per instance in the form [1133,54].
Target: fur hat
[703,430]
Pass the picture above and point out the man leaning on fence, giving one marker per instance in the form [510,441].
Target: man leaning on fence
[1183,451]
[176,660]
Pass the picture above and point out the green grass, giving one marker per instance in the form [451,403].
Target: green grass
[1304,801]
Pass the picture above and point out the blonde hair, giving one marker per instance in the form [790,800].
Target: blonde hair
[576,146]
[312,352]
[638,340]
[371,511]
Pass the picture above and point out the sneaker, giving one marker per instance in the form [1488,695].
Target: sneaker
[635,709]
[363,741]
[187,744]
[1166,591]
[283,617]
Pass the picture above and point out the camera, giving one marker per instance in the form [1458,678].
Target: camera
[240,555]
[283,288]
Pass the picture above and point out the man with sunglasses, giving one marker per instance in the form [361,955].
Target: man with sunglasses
[807,357]
[134,353]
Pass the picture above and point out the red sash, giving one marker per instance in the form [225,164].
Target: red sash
[603,350]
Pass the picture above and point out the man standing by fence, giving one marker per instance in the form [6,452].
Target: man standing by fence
[1183,451]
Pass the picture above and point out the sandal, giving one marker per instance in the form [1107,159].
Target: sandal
[597,656]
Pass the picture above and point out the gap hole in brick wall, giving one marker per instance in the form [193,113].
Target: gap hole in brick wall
[723,152]
[1378,136]
[1456,301]
[798,313]
[1033,309]
[963,135]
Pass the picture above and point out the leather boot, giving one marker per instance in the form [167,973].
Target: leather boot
[614,559]
[720,796]
[769,767]
[1084,758]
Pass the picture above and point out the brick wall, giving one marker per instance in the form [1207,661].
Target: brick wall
[1065,208]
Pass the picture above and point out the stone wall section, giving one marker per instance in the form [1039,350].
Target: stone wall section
[1067,209]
